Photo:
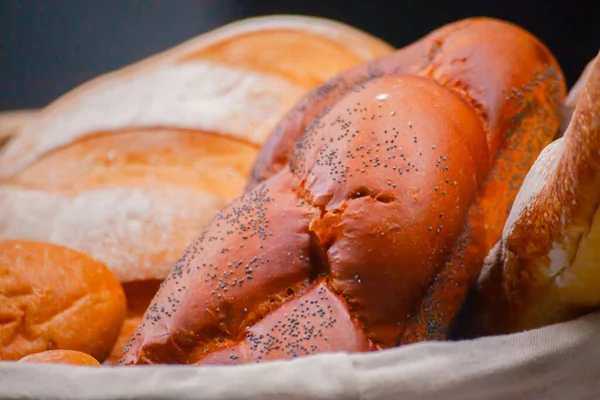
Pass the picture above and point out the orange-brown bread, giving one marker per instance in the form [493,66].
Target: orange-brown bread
[61,357]
[139,295]
[546,267]
[128,167]
[373,231]
[55,298]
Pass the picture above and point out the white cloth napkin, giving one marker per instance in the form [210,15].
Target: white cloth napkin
[558,362]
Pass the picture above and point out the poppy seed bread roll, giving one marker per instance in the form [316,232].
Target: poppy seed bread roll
[377,225]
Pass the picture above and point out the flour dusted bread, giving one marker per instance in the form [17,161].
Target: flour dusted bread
[141,156]
[56,298]
[546,267]
[128,167]
[370,228]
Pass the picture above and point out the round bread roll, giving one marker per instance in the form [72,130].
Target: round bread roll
[128,167]
[375,226]
[61,357]
[52,297]
[546,267]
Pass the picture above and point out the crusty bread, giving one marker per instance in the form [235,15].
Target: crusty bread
[371,231]
[546,267]
[61,357]
[129,166]
[55,298]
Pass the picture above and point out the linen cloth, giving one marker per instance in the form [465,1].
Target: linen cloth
[557,362]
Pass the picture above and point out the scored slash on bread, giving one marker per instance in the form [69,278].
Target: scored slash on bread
[546,267]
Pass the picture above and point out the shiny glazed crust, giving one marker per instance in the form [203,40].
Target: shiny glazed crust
[545,268]
[61,357]
[359,241]
[54,298]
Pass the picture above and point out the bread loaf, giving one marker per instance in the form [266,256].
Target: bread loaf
[128,167]
[545,269]
[55,298]
[367,230]
[61,357]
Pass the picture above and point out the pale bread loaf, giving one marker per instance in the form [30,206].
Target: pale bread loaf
[204,106]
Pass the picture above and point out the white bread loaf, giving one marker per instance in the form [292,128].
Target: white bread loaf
[195,114]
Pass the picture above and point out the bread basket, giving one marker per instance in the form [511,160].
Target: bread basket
[553,362]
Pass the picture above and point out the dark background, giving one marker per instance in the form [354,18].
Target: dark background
[48,47]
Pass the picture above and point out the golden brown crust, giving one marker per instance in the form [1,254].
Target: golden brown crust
[61,357]
[133,199]
[390,192]
[55,298]
[496,65]
[514,84]
[251,257]
[144,158]
[315,322]
[371,211]
[545,268]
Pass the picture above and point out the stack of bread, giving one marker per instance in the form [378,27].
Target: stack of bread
[129,166]
[286,186]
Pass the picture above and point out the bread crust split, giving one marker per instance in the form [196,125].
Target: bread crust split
[371,224]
